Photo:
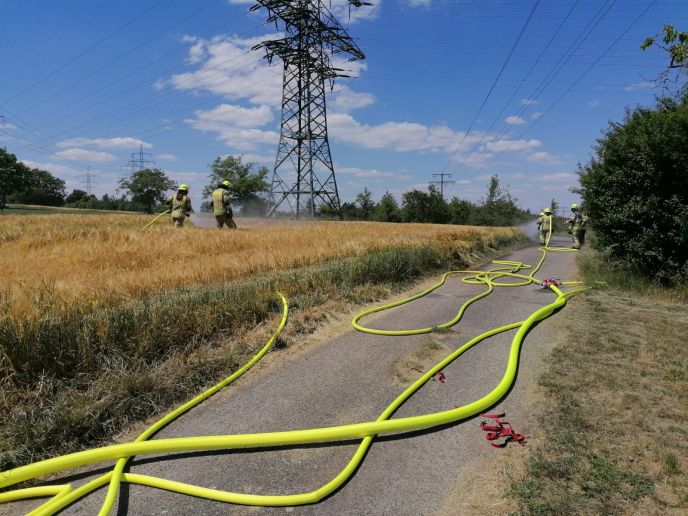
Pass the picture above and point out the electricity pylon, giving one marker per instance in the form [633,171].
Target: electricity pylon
[442,181]
[304,173]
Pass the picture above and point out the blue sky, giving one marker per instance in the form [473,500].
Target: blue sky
[448,85]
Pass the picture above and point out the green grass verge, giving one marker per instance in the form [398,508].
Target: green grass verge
[30,209]
[615,404]
[73,377]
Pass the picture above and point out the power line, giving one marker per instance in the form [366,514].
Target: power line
[499,75]
[83,53]
[131,112]
[628,28]
[544,83]
[525,78]
[120,57]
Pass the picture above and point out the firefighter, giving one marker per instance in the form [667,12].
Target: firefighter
[577,224]
[180,206]
[222,206]
[539,220]
[545,225]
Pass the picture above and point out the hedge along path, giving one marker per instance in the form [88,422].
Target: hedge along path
[64,495]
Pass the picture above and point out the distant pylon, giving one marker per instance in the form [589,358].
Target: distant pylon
[304,176]
[442,181]
[140,161]
[89,188]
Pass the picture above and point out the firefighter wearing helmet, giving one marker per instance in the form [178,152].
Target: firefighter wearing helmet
[577,224]
[221,204]
[180,206]
[545,226]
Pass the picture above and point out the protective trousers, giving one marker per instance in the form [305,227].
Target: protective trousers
[221,220]
[578,236]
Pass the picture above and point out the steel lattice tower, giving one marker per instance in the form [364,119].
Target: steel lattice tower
[304,173]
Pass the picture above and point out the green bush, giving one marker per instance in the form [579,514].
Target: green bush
[635,190]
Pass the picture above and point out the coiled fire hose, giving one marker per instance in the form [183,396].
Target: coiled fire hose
[64,495]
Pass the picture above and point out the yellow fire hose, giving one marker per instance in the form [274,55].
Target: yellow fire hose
[63,495]
[155,219]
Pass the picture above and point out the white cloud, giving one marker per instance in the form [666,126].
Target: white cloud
[419,3]
[594,103]
[536,115]
[166,157]
[232,70]
[237,126]
[346,100]
[529,102]
[512,145]
[84,155]
[514,120]
[475,159]
[370,173]
[105,143]
[61,171]
[197,51]
[237,116]
[397,136]
[640,86]
[557,176]
[544,157]
[258,158]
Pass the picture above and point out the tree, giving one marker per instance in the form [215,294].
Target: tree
[554,206]
[557,222]
[675,43]
[387,210]
[461,211]
[247,185]
[77,196]
[148,187]
[430,207]
[365,204]
[41,187]
[635,190]
[497,207]
[12,176]
[349,211]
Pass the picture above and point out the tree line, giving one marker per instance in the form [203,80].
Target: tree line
[22,184]
[635,187]
[496,208]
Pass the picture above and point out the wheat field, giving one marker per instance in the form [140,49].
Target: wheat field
[97,259]
[102,324]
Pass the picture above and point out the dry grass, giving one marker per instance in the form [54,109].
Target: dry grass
[94,259]
[615,410]
[102,325]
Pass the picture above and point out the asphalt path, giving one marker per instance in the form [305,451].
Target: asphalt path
[350,378]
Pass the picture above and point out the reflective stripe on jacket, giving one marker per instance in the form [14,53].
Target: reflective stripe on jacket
[545,223]
[180,207]
[577,222]
[221,201]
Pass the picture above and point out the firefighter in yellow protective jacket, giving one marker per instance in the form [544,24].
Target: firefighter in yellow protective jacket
[577,224]
[180,206]
[545,225]
[222,206]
